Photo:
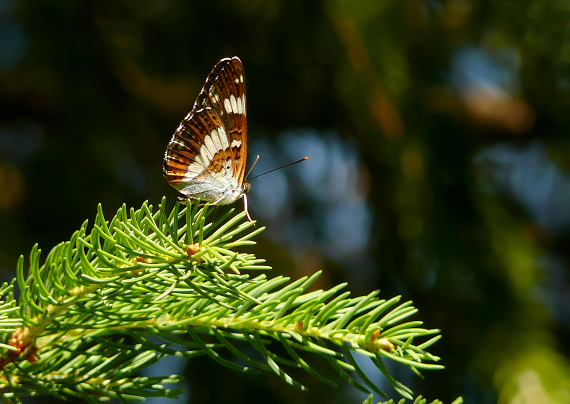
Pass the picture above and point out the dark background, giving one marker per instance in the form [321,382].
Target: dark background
[437,133]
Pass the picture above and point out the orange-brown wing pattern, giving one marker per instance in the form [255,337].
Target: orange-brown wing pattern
[207,154]
[224,92]
[198,149]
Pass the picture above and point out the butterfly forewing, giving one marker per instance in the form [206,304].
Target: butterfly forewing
[224,92]
[206,156]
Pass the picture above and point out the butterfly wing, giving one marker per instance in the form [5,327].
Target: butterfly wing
[206,156]
[198,162]
[224,92]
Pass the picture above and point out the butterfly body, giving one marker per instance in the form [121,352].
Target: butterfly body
[206,157]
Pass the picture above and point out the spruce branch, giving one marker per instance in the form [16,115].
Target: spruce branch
[110,302]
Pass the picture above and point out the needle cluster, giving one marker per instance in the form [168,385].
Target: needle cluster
[150,283]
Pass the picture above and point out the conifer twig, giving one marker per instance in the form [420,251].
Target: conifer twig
[151,282]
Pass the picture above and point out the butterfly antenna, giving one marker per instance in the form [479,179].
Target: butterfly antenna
[253,165]
[279,168]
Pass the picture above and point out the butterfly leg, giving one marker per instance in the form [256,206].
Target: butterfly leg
[245,207]
[216,202]
[182,198]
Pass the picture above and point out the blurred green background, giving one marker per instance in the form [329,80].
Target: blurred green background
[437,132]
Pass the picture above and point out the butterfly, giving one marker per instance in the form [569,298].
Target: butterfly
[206,157]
